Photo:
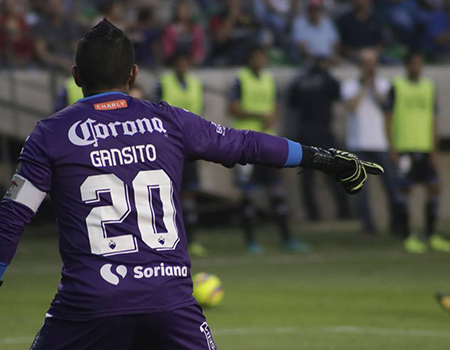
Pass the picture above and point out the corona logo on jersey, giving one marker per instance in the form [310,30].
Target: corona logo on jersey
[90,131]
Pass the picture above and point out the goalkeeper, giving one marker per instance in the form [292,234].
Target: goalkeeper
[98,304]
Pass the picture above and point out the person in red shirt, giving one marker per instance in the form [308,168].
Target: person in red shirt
[183,35]
[16,46]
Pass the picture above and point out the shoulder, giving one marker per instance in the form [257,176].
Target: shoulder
[161,107]
[60,117]
[194,78]
[398,80]
[241,72]
[438,15]
[345,18]
[350,87]
[429,83]
[299,80]
[382,84]
[327,22]
[58,123]
[300,21]
[165,76]
[428,80]
[268,74]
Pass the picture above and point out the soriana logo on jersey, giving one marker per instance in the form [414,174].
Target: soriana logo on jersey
[111,105]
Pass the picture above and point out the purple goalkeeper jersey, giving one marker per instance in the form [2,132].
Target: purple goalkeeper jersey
[112,165]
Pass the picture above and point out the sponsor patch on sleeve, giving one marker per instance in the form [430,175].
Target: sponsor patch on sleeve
[23,191]
[111,105]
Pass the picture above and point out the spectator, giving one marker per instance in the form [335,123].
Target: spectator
[182,89]
[67,95]
[114,11]
[407,20]
[365,98]
[311,96]
[412,131]
[254,105]
[146,37]
[55,37]
[439,33]
[182,34]
[359,29]
[234,30]
[314,34]
[277,16]
[16,44]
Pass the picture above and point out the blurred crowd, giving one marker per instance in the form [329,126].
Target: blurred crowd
[36,33]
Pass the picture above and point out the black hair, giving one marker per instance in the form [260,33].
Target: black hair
[410,55]
[104,57]
[256,48]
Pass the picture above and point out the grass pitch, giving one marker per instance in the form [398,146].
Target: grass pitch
[351,293]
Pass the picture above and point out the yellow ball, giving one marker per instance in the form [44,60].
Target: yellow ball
[208,289]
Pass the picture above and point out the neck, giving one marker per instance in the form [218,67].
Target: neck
[89,92]
[314,21]
[180,76]
[413,77]
[362,12]
[255,71]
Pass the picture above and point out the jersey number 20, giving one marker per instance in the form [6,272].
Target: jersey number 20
[144,185]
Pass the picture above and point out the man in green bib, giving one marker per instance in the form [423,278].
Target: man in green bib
[181,89]
[412,134]
[67,95]
[253,105]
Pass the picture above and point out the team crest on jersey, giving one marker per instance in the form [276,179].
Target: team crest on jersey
[14,188]
[204,328]
[90,132]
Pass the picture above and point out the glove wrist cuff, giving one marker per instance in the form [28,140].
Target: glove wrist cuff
[317,159]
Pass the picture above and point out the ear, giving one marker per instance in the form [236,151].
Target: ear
[76,76]
[133,75]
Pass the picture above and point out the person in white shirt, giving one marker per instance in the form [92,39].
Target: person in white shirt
[364,99]
[314,33]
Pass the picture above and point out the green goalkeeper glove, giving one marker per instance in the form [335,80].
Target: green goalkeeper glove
[345,168]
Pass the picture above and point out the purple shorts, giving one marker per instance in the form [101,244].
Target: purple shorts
[180,329]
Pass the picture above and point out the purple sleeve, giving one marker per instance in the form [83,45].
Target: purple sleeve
[34,162]
[35,167]
[212,142]
[13,218]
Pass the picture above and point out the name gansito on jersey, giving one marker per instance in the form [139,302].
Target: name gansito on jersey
[125,156]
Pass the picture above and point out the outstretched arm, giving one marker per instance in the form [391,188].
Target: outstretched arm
[216,143]
[27,191]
